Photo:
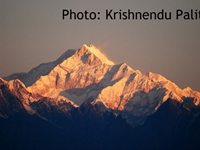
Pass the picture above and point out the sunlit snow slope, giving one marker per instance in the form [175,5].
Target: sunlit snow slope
[86,75]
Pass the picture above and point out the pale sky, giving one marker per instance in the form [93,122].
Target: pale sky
[33,32]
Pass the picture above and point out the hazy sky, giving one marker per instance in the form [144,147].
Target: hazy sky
[33,32]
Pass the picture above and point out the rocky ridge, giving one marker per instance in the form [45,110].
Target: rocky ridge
[86,75]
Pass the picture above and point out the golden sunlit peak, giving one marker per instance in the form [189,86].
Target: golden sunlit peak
[94,50]
[2,81]
[91,46]
[187,89]
[84,45]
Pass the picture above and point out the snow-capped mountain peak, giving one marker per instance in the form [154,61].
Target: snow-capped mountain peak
[91,53]
[86,75]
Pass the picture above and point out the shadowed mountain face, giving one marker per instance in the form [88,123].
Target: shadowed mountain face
[90,127]
[172,126]
[85,101]
[86,127]
[86,75]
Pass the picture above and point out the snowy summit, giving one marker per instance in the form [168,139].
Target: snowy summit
[86,75]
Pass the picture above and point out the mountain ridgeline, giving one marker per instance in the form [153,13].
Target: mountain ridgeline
[82,100]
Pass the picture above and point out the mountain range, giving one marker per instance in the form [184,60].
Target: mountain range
[84,97]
